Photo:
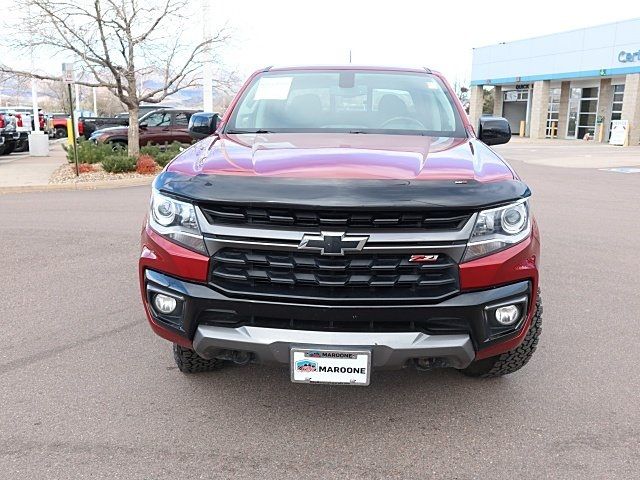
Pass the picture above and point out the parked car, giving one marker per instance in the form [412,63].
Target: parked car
[203,124]
[87,126]
[144,109]
[24,117]
[28,122]
[57,125]
[8,133]
[343,220]
[156,127]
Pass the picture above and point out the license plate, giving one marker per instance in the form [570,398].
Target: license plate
[338,367]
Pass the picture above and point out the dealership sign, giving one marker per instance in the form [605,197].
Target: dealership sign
[619,132]
[625,57]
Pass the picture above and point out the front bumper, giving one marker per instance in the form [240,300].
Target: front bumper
[451,332]
[7,138]
[389,350]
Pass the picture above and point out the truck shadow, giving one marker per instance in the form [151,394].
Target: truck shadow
[393,396]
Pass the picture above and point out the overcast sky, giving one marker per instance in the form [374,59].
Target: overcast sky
[438,34]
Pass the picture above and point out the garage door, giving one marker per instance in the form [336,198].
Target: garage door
[515,112]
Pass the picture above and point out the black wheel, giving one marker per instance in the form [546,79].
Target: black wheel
[22,146]
[189,361]
[118,146]
[8,148]
[61,132]
[1,149]
[512,360]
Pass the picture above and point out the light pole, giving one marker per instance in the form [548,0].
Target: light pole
[34,104]
[207,74]
[34,93]
[38,141]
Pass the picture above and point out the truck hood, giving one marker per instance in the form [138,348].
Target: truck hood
[111,131]
[342,171]
[343,156]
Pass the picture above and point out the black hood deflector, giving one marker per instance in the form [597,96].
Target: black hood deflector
[346,193]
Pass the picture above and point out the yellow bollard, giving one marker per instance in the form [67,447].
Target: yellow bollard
[522,125]
[70,139]
[600,132]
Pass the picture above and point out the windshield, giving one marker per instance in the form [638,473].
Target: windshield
[346,101]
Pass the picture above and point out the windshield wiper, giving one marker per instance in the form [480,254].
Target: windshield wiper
[358,132]
[249,131]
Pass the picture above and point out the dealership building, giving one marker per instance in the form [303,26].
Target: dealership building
[570,85]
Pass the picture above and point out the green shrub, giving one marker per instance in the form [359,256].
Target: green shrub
[89,152]
[119,163]
[151,150]
[162,154]
[174,148]
[163,158]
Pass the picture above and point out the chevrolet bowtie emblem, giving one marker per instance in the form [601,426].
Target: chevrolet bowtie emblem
[332,243]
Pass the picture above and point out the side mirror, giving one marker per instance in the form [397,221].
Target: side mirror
[203,124]
[143,126]
[494,130]
[215,121]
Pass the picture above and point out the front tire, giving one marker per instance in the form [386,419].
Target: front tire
[512,360]
[189,361]
[22,147]
[61,132]
[118,146]
[8,148]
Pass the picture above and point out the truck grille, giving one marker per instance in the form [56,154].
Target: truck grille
[247,216]
[432,325]
[361,276]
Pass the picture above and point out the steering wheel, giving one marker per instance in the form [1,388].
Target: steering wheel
[406,120]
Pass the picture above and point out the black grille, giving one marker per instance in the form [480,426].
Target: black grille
[297,274]
[435,325]
[431,220]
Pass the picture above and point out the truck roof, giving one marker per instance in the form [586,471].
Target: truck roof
[349,67]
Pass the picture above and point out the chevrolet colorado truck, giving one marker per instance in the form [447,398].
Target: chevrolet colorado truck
[343,220]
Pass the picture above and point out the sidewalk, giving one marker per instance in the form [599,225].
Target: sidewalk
[569,153]
[23,170]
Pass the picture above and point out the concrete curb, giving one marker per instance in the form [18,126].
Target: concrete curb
[126,182]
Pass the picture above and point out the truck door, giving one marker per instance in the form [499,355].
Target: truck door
[157,129]
[180,128]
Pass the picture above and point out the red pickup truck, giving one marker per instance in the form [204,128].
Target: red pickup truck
[343,220]
[58,125]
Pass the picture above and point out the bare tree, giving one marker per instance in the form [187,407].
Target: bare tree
[57,96]
[108,105]
[117,43]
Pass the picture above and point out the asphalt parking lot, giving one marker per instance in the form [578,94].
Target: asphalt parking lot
[89,391]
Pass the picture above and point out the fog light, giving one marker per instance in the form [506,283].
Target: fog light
[507,315]
[164,303]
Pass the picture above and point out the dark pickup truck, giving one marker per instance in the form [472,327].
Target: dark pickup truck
[9,135]
[158,127]
[342,220]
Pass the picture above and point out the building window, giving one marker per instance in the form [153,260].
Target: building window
[516,95]
[553,113]
[616,106]
[583,108]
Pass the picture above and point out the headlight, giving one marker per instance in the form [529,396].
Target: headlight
[499,228]
[176,221]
